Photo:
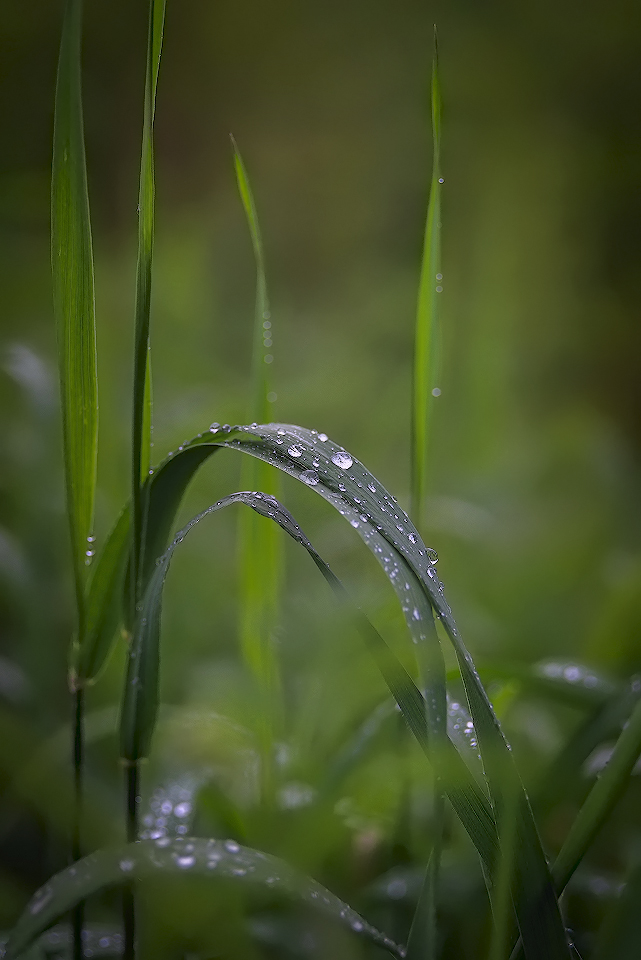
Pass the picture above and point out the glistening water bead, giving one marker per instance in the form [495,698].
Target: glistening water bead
[342,459]
[310,477]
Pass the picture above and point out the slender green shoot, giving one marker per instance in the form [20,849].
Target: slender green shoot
[73,294]
[424,380]
[259,555]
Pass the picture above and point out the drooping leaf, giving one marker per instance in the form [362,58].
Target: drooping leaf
[219,859]
[141,695]
[73,290]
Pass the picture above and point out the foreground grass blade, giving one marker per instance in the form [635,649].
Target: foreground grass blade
[104,605]
[141,696]
[260,562]
[141,411]
[195,856]
[426,316]
[601,800]
[73,288]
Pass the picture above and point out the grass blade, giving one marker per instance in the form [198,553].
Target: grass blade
[141,411]
[73,287]
[601,800]
[196,856]
[260,561]
[141,695]
[104,605]
[427,314]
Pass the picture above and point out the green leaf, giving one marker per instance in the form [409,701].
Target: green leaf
[194,856]
[73,289]
[141,425]
[425,367]
[104,605]
[260,560]
[601,800]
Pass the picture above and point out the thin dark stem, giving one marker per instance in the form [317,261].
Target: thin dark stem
[128,906]
[78,915]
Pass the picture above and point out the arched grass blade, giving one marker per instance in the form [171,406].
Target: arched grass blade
[259,556]
[141,695]
[141,411]
[427,314]
[104,605]
[223,860]
[73,294]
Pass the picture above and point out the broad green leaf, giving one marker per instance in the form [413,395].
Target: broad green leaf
[260,561]
[197,856]
[141,423]
[73,289]
[425,367]
[103,605]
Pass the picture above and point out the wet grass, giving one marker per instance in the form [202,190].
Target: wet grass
[405,822]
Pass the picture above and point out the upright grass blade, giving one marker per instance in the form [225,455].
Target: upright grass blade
[141,410]
[424,381]
[197,856]
[73,295]
[260,562]
[73,287]
[600,801]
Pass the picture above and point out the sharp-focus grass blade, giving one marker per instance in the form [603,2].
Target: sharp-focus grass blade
[426,315]
[104,605]
[600,801]
[197,857]
[260,562]
[141,695]
[73,287]
[141,425]
[619,936]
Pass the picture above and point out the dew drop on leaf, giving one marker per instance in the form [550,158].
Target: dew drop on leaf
[310,477]
[231,846]
[294,451]
[342,459]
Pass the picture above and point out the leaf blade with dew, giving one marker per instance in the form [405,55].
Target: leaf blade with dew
[259,556]
[73,290]
[141,695]
[427,314]
[196,856]
[141,409]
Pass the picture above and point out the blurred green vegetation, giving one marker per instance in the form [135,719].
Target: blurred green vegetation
[534,501]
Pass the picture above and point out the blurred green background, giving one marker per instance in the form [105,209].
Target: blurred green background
[534,505]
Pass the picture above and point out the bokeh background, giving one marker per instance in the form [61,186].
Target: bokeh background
[534,467]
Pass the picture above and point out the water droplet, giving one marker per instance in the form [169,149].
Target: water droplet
[357,925]
[40,900]
[268,358]
[295,451]
[322,437]
[231,846]
[441,180]
[354,523]
[436,392]
[415,614]
[185,862]
[126,865]
[272,397]
[432,555]
[342,459]
[411,538]
[266,315]
[182,809]
[439,289]
[267,325]
[310,477]
[371,487]
[215,427]
[91,539]
[267,342]
[342,487]
[163,842]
